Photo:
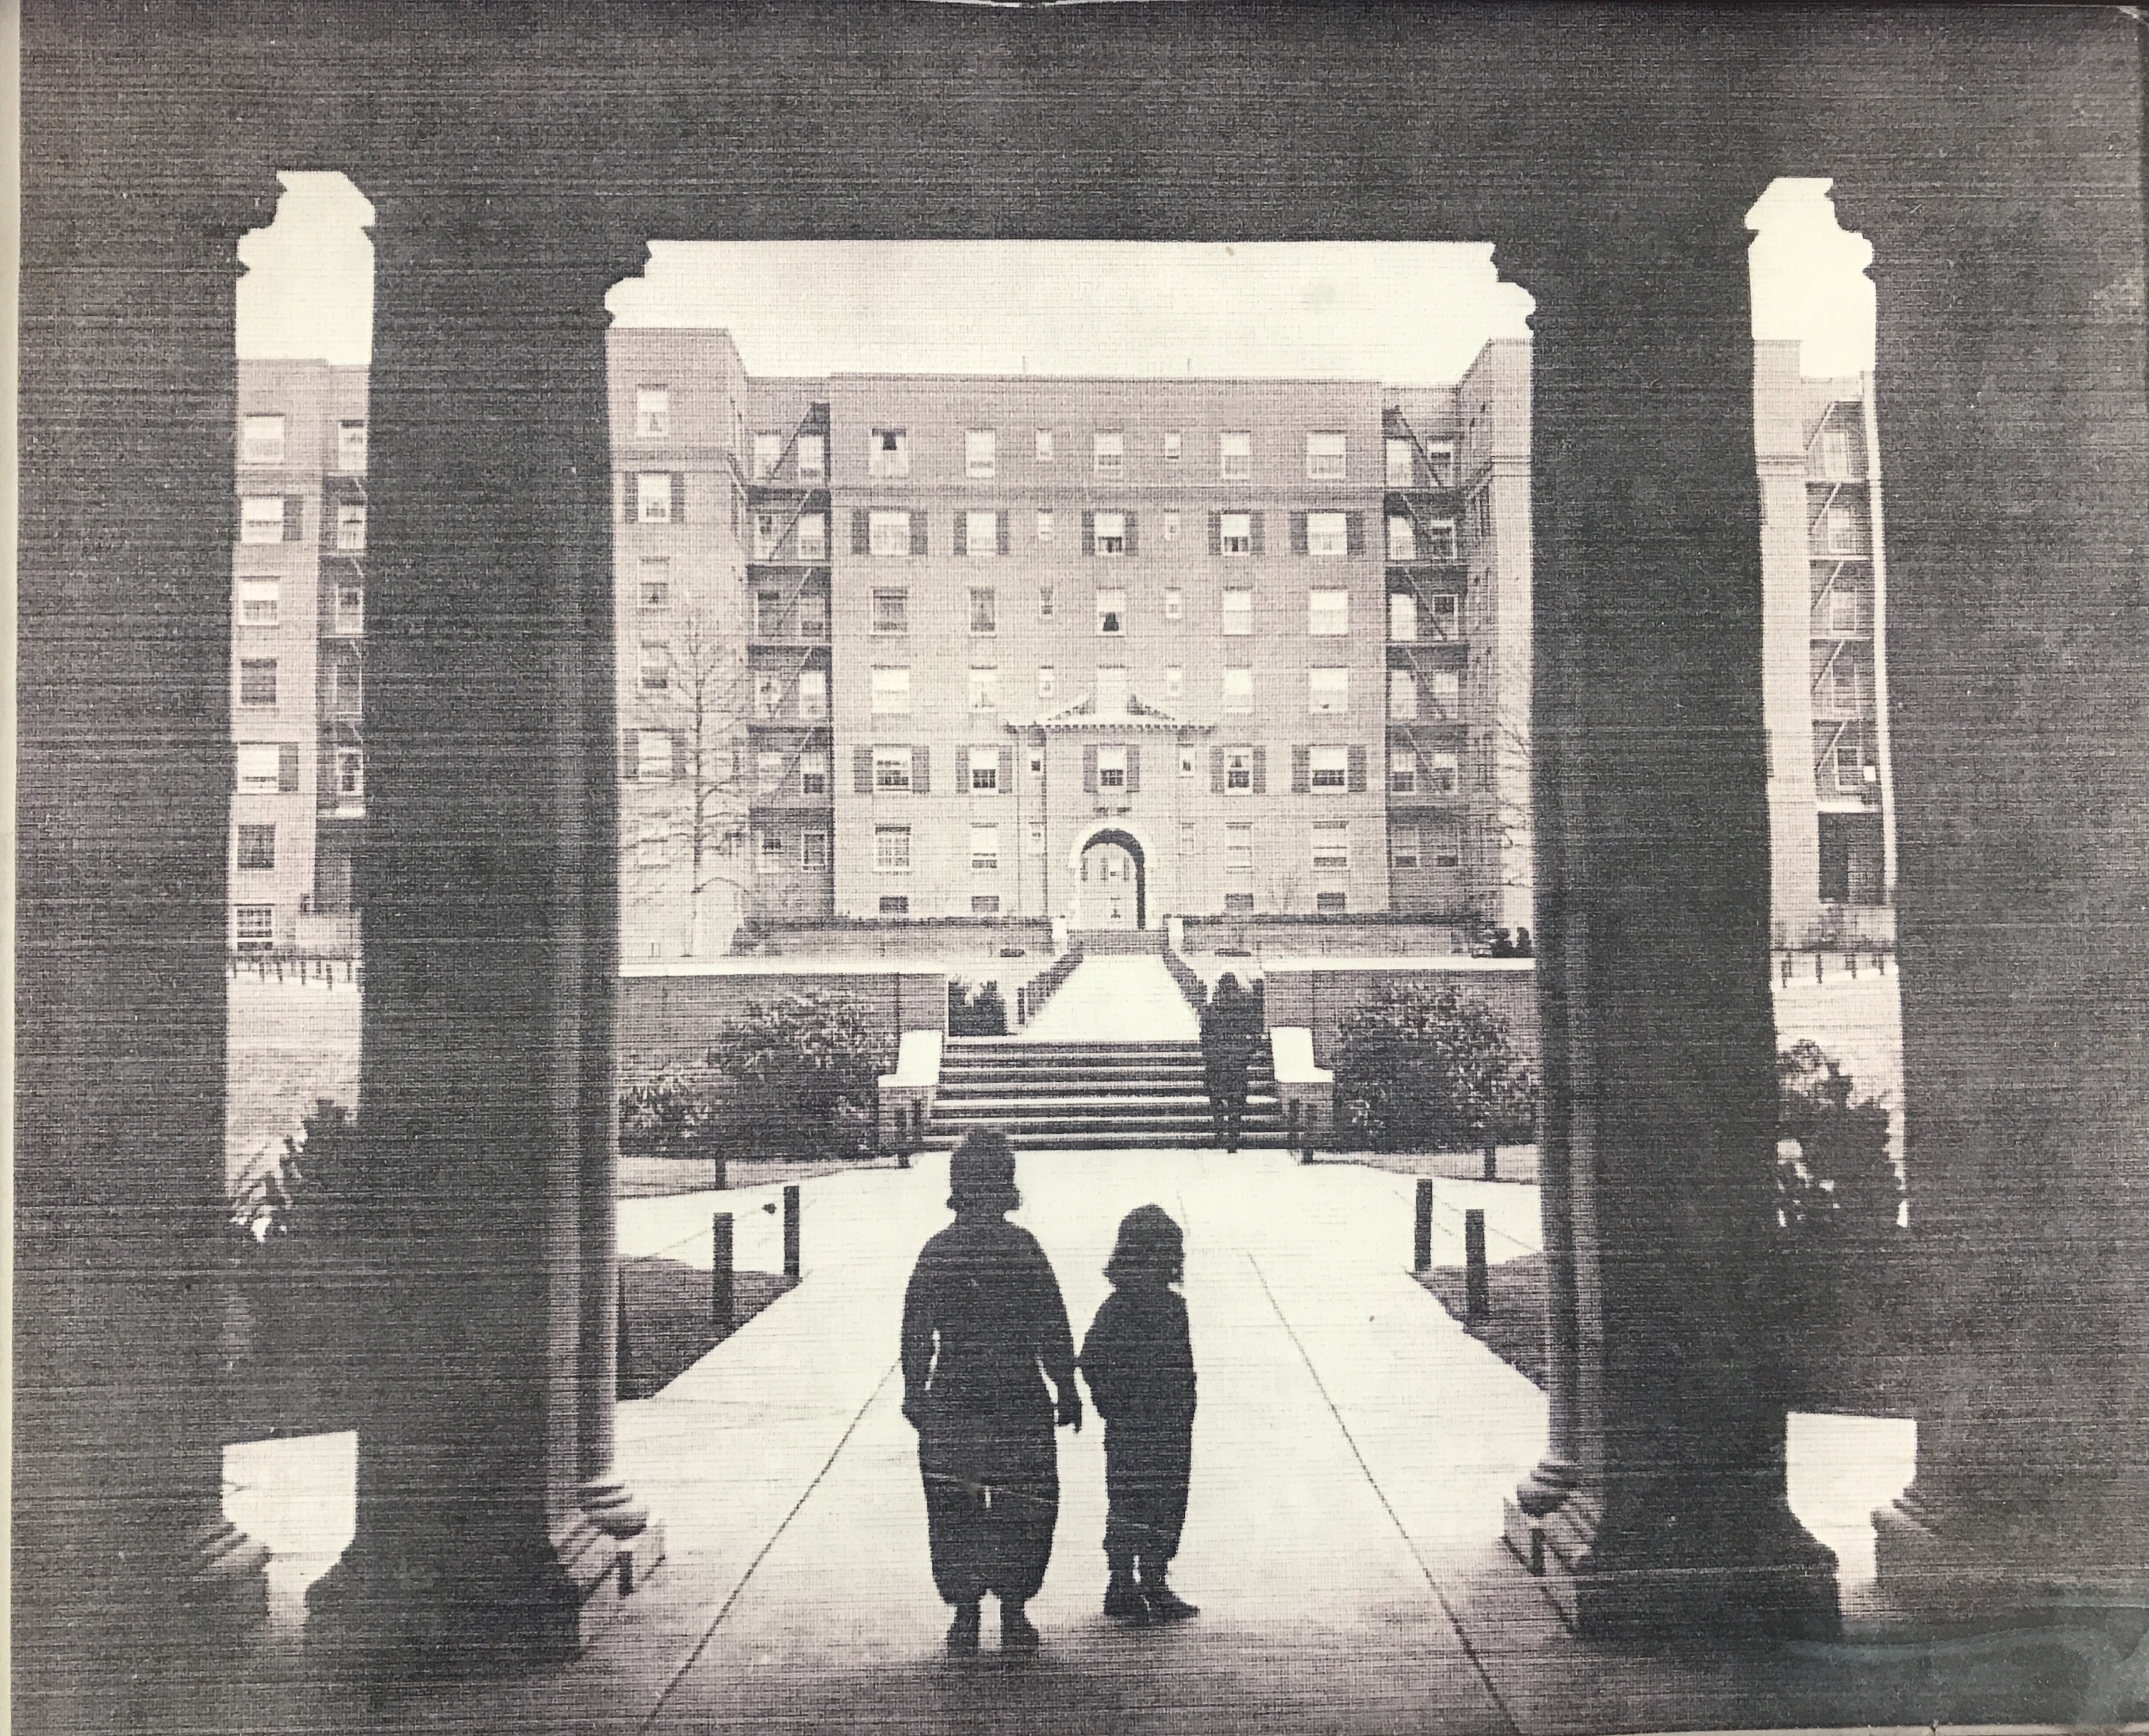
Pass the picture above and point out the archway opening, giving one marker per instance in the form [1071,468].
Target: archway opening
[1114,878]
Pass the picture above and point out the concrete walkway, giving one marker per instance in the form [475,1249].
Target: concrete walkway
[1116,998]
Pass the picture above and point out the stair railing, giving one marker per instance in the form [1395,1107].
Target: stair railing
[1029,999]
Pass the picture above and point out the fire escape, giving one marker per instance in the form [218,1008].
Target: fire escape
[1840,569]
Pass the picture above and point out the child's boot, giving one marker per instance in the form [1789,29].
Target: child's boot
[1123,1598]
[962,1633]
[1165,1605]
[1016,1634]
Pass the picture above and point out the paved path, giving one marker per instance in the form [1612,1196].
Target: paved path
[1116,998]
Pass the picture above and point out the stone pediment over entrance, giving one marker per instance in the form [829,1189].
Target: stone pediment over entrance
[1136,714]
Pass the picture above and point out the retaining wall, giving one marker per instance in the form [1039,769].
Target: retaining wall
[1317,993]
[673,1011]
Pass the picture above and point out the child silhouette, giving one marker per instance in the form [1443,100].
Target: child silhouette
[1139,1360]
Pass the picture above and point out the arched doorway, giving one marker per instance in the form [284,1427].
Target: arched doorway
[1111,881]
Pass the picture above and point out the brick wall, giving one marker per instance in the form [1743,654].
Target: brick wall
[1318,993]
[676,1013]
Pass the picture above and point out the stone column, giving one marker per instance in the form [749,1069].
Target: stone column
[1661,1506]
[2015,436]
[490,908]
[124,772]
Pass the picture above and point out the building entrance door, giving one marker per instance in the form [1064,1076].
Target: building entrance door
[1114,882]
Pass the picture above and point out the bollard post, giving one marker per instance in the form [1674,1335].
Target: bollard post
[1421,1243]
[623,1345]
[1851,959]
[1477,1282]
[1313,1112]
[1290,1125]
[791,1231]
[1787,970]
[1817,964]
[723,1304]
[721,1180]
[1492,1161]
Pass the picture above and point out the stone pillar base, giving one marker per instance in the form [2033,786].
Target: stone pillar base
[375,1614]
[1975,1566]
[1770,1580]
[1525,1512]
[640,1556]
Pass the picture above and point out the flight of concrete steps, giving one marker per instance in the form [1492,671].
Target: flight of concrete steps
[1090,1096]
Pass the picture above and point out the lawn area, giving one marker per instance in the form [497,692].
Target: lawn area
[668,1328]
[290,1045]
[1517,1163]
[661,1178]
[1514,1330]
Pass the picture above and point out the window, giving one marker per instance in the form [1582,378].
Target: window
[652,497]
[1238,614]
[1331,844]
[1047,682]
[350,448]
[351,526]
[1440,458]
[891,691]
[1044,446]
[260,767]
[984,689]
[1330,768]
[1238,849]
[1328,692]
[985,849]
[261,601]
[1188,834]
[813,457]
[261,440]
[652,756]
[1402,848]
[652,411]
[1174,682]
[654,847]
[812,616]
[889,533]
[894,906]
[261,518]
[1330,904]
[1171,527]
[1239,693]
[1851,772]
[1835,450]
[1845,615]
[887,453]
[981,533]
[257,681]
[812,536]
[1842,527]
[767,531]
[814,772]
[1403,696]
[984,611]
[1238,770]
[1327,535]
[1403,771]
[1402,618]
[257,846]
[892,850]
[1175,603]
[350,609]
[1446,776]
[984,771]
[1324,457]
[1111,768]
[1479,511]
[768,615]
[1235,452]
[654,578]
[1111,611]
[768,771]
[1109,453]
[768,693]
[1044,603]
[767,454]
[812,849]
[1440,539]
[655,666]
[1401,471]
[1444,687]
[1111,533]
[774,860]
[1044,524]
[891,769]
[1447,614]
[1403,540]
[891,611]
[980,452]
[1236,532]
[813,694]
[256,925]
[1328,613]
[985,903]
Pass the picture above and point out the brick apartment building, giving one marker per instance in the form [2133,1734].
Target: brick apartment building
[893,647]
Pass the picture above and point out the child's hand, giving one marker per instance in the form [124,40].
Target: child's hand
[1070,1410]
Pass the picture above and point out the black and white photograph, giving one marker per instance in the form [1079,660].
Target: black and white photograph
[1066,866]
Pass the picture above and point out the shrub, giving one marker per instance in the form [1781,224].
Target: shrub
[670,1112]
[982,1015]
[1834,1176]
[1425,1070]
[801,1079]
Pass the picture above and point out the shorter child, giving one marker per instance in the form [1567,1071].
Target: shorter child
[1139,1360]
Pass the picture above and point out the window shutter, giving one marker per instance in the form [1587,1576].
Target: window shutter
[1007,771]
[625,491]
[1134,768]
[962,543]
[921,770]
[678,497]
[1090,768]
[1001,533]
[1298,533]
[678,754]
[294,517]
[1088,532]
[861,531]
[1357,773]
[630,756]
[1257,522]
[287,767]
[1215,771]
[918,542]
[1354,533]
[1261,771]
[861,771]
[1302,771]
[1131,548]
[1215,533]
